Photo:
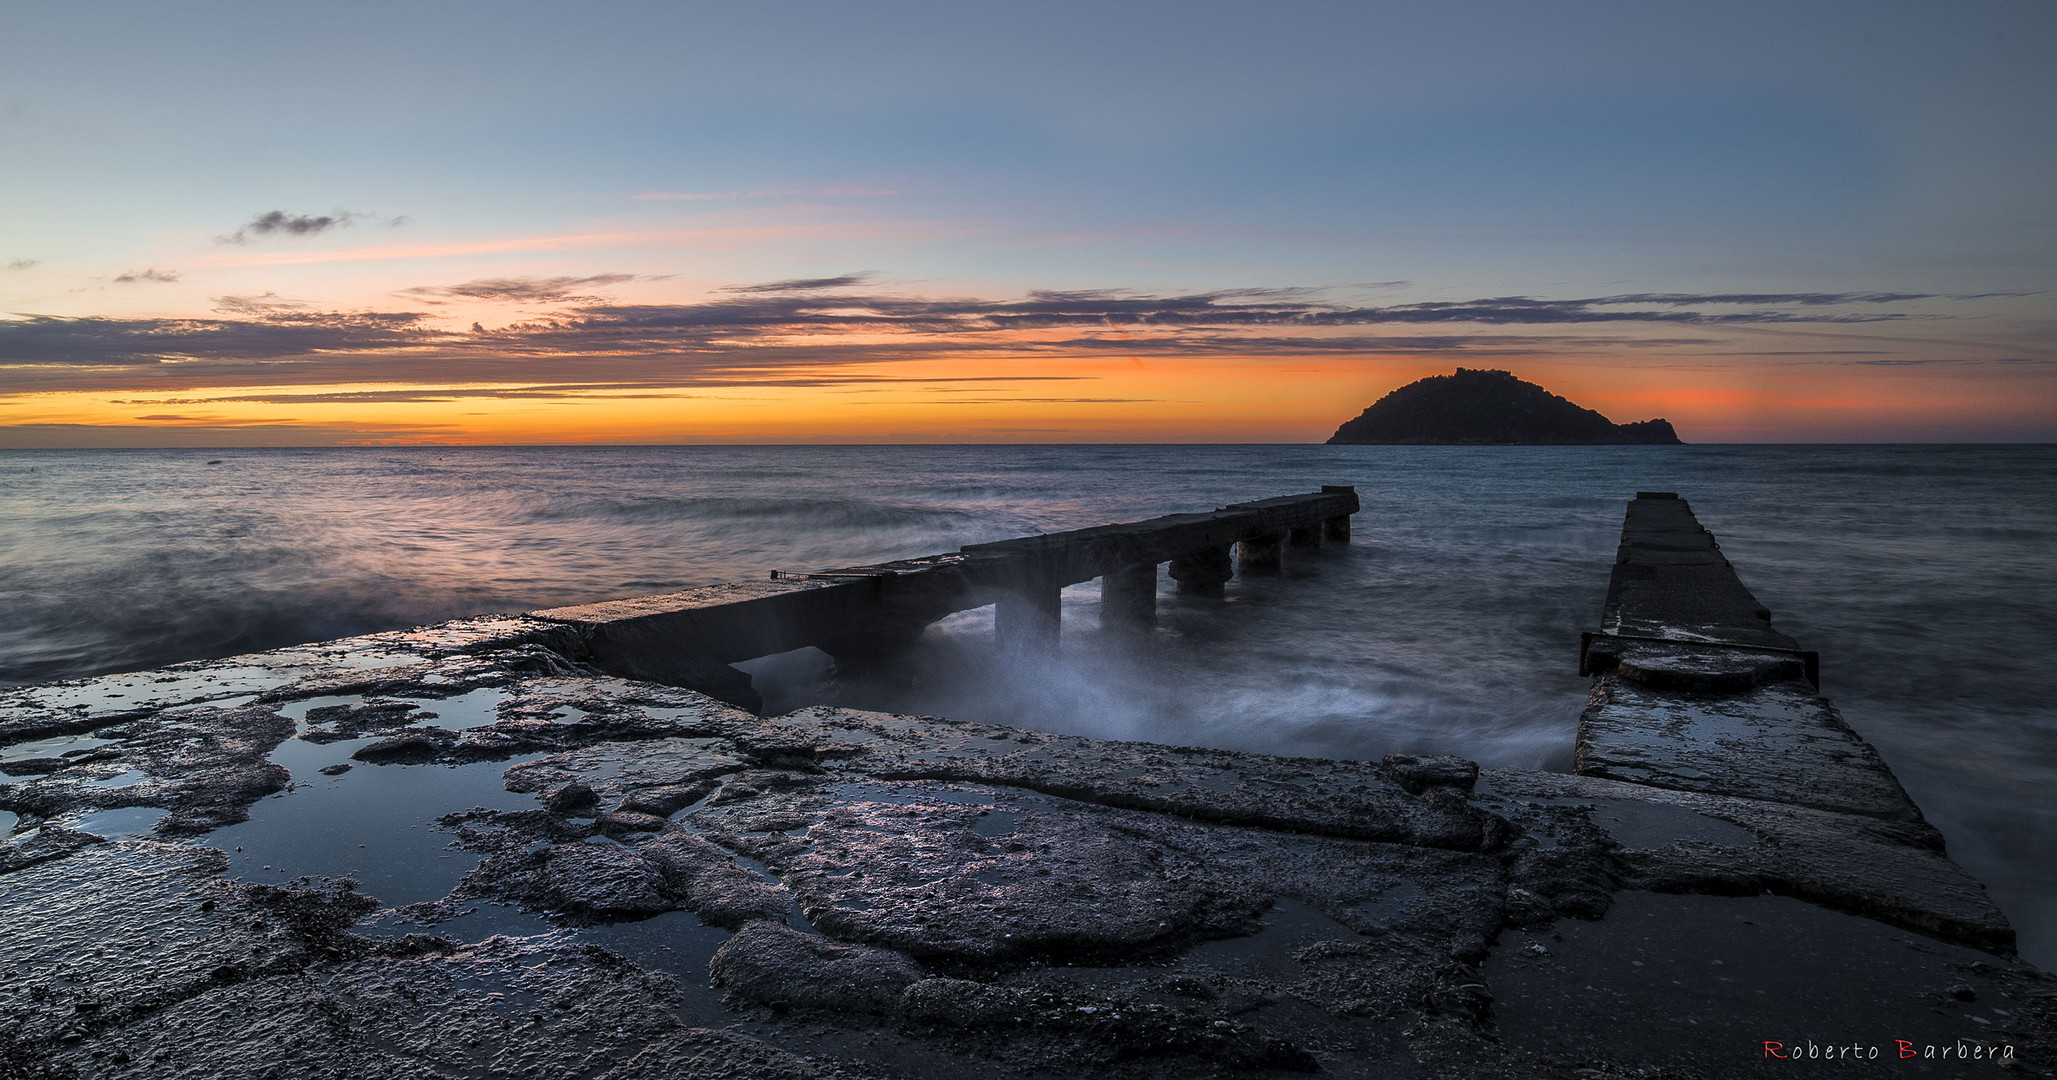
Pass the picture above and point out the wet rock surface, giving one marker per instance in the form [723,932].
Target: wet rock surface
[657,884]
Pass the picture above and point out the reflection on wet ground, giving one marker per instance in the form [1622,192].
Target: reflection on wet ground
[57,747]
[118,823]
[985,901]
[678,944]
[373,823]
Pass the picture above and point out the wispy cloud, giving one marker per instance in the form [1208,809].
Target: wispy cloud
[151,276]
[528,290]
[263,305]
[1040,401]
[21,264]
[612,390]
[841,281]
[281,223]
[273,431]
[821,331]
[753,238]
[1640,307]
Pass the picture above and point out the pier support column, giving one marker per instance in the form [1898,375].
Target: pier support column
[1203,572]
[1304,537]
[880,655]
[1259,554]
[1128,597]
[1028,617]
[1337,528]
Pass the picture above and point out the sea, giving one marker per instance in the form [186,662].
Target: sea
[1924,575]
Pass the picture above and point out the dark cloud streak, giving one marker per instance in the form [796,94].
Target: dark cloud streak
[760,336]
[528,290]
[841,281]
[281,223]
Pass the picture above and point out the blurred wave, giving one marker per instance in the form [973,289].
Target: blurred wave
[1921,574]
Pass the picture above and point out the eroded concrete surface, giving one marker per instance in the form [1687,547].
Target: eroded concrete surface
[568,874]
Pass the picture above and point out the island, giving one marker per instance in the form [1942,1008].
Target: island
[1476,406]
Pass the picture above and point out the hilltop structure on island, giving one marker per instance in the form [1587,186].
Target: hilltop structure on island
[1477,406]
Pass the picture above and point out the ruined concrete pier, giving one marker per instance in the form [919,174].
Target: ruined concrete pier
[864,616]
[1695,691]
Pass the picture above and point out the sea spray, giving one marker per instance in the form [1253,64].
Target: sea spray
[1452,622]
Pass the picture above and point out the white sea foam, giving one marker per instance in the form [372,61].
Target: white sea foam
[1920,573]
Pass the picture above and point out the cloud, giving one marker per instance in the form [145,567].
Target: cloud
[20,264]
[307,340]
[1761,299]
[1808,352]
[527,290]
[260,306]
[152,275]
[798,333]
[1634,307]
[1041,401]
[613,390]
[282,431]
[841,281]
[280,223]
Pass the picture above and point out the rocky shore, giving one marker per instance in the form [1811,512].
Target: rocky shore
[505,863]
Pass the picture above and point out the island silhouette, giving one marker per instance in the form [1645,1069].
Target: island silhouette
[1484,407]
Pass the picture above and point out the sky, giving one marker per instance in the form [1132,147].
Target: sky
[617,222]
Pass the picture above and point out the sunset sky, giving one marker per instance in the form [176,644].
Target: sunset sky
[228,224]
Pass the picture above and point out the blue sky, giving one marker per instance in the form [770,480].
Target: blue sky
[1366,153]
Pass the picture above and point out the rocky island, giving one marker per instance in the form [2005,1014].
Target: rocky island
[1476,406]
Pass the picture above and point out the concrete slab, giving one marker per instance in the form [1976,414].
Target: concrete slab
[1782,742]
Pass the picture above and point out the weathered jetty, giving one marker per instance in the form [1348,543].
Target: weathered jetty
[1695,691]
[516,846]
[1698,692]
[866,617]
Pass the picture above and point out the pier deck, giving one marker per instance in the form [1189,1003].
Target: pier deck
[1699,693]
[864,616]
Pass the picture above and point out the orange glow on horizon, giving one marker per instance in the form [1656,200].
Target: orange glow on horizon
[1212,398]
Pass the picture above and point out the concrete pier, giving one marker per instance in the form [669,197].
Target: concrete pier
[1260,554]
[1694,691]
[1128,597]
[1699,692]
[1028,617]
[1203,572]
[859,614]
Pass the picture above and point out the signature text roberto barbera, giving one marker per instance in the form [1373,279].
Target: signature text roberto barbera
[1901,1049]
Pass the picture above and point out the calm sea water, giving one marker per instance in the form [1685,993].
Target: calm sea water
[1924,575]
